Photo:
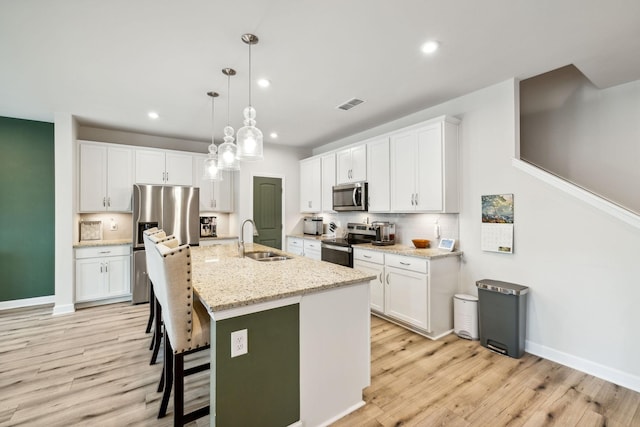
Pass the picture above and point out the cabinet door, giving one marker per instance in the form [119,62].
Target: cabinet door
[378,166]
[376,285]
[223,193]
[328,181]
[359,163]
[406,297]
[429,185]
[343,166]
[119,179]
[178,169]
[117,276]
[150,167]
[403,171]
[89,279]
[205,185]
[310,185]
[93,178]
[312,249]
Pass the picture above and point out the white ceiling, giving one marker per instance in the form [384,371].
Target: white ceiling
[110,62]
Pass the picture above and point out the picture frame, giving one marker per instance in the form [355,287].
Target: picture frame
[447,244]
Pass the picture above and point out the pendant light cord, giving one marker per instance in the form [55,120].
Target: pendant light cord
[213,114]
[228,96]
[250,74]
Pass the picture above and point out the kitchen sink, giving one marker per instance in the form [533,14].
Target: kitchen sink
[266,256]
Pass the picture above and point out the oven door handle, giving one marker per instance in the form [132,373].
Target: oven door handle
[336,248]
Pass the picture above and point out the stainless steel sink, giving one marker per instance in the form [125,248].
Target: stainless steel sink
[266,256]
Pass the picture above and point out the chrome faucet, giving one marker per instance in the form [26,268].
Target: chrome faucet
[241,242]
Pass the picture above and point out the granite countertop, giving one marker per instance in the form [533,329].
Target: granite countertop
[219,237]
[223,280]
[429,253]
[92,243]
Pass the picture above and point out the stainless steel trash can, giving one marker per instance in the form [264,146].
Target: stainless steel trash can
[502,316]
[465,316]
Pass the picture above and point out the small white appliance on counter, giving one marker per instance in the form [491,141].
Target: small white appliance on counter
[313,225]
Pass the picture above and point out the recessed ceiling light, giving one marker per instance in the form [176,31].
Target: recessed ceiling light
[264,83]
[430,46]
[153,115]
[273,135]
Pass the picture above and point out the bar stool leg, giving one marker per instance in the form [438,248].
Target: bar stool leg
[157,333]
[152,298]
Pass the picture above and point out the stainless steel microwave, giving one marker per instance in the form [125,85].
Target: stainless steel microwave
[350,197]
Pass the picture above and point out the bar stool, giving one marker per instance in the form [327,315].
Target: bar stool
[151,238]
[186,325]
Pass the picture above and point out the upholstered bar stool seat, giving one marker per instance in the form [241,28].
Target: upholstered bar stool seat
[186,325]
[151,238]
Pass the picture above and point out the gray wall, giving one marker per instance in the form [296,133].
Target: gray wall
[586,135]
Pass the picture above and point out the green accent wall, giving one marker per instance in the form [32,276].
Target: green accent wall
[27,204]
[262,387]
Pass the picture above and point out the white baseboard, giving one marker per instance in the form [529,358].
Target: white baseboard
[26,302]
[615,376]
[60,309]
[343,414]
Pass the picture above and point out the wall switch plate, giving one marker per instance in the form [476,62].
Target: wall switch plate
[239,343]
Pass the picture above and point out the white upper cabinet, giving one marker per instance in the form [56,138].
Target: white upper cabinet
[215,196]
[328,181]
[351,164]
[311,185]
[163,167]
[378,167]
[424,168]
[106,177]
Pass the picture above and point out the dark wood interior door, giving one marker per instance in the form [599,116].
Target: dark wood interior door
[267,210]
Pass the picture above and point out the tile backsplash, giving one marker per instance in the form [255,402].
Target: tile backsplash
[123,223]
[408,226]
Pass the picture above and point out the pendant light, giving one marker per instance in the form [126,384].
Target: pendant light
[249,137]
[211,170]
[228,151]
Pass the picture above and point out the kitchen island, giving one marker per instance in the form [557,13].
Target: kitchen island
[307,337]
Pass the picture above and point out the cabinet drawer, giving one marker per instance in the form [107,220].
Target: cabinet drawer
[103,251]
[295,242]
[313,245]
[407,263]
[369,256]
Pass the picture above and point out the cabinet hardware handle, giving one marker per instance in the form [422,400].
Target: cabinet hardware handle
[101,267]
[104,252]
[167,176]
[412,199]
[106,268]
[109,201]
[104,201]
[388,283]
[416,199]
[381,281]
[366,256]
[405,263]
[215,203]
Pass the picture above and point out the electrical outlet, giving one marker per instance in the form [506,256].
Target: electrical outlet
[114,225]
[239,343]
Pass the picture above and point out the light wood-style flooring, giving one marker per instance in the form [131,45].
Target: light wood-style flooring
[91,368]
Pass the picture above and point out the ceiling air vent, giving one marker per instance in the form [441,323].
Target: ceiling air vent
[350,104]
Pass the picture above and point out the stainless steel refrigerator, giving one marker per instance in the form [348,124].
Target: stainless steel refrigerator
[174,209]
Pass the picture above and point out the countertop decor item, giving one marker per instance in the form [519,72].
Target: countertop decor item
[90,230]
[420,243]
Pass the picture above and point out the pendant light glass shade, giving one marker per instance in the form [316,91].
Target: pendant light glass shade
[249,137]
[211,170]
[228,151]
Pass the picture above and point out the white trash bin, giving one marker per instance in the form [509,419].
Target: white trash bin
[465,316]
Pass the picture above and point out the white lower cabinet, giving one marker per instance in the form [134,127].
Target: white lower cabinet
[310,248]
[103,272]
[416,292]
[295,245]
[372,263]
